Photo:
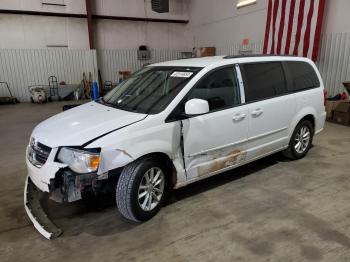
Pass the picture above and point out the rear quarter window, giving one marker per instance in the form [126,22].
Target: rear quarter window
[303,75]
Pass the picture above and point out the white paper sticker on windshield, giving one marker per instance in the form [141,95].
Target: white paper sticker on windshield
[181,74]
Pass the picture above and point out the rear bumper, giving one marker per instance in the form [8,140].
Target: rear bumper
[320,123]
[35,212]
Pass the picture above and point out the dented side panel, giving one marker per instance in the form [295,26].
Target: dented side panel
[113,158]
[215,141]
[137,140]
[214,162]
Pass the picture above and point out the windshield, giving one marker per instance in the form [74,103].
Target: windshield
[150,90]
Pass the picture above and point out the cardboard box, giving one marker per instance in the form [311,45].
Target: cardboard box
[206,51]
[341,113]
[330,106]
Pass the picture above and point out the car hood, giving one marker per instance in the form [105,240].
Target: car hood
[81,124]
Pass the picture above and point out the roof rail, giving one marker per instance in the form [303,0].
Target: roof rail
[253,55]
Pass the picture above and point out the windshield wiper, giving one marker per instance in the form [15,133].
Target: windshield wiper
[104,102]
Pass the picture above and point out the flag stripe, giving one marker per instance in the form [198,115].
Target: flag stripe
[290,26]
[285,29]
[308,29]
[268,23]
[275,9]
[303,28]
[300,24]
[280,33]
[313,29]
[318,29]
[293,27]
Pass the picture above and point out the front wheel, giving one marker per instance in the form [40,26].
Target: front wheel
[300,141]
[141,189]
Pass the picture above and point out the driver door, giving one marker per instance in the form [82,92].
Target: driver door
[216,141]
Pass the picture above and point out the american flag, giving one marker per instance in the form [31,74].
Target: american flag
[293,27]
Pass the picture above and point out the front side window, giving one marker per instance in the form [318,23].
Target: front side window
[220,88]
[150,90]
[263,80]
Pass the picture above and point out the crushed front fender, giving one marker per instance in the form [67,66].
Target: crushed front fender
[36,213]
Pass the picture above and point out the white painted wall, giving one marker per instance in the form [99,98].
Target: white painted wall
[337,16]
[72,6]
[212,23]
[178,9]
[23,31]
[127,34]
[220,23]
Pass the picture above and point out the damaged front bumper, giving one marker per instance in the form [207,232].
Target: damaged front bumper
[36,213]
[64,186]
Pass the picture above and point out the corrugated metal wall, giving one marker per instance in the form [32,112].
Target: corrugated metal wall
[234,49]
[112,61]
[334,61]
[25,67]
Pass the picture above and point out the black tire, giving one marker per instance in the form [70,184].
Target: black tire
[32,100]
[291,152]
[127,199]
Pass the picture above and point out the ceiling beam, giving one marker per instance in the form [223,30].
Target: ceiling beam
[72,15]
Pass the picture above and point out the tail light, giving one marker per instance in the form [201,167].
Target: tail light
[325,95]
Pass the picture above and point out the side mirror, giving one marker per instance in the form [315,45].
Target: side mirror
[196,107]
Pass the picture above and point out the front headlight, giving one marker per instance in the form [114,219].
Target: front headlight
[78,160]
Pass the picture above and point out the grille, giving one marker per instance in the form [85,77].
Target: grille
[160,6]
[38,153]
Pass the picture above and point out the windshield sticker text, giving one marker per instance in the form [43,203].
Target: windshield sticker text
[181,74]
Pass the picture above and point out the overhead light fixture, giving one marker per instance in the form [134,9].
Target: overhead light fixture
[242,3]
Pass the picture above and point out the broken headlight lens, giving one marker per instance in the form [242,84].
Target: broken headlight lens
[79,161]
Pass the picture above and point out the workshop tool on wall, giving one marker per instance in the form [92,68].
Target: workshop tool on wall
[38,94]
[347,88]
[87,85]
[107,86]
[100,81]
[95,91]
[53,88]
[7,99]
[123,75]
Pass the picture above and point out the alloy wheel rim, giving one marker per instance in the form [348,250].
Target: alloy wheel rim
[151,189]
[302,139]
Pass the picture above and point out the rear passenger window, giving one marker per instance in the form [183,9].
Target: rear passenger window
[303,75]
[219,88]
[263,80]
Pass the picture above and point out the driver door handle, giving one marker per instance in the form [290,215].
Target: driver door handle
[238,117]
[257,112]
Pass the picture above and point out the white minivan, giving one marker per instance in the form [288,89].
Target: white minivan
[171,124]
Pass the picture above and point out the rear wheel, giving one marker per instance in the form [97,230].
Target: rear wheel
[300,141]
[141,189]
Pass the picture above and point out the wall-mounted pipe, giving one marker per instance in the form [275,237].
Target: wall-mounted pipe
[89,23]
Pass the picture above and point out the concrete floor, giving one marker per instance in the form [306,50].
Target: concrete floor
[271,210]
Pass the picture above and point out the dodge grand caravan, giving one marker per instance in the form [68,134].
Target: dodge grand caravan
[171,124]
